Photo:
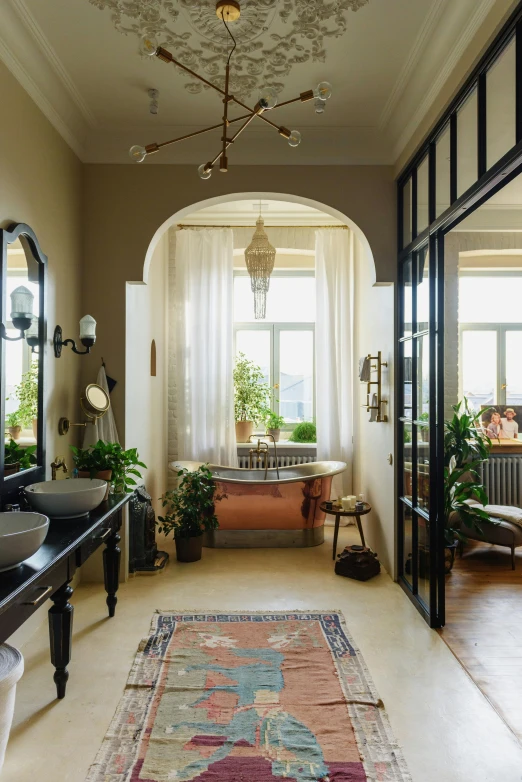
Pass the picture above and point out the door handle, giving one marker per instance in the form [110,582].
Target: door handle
[503,386]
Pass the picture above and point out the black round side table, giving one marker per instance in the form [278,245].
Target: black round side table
[338,512]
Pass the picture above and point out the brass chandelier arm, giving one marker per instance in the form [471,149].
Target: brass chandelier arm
[230,141]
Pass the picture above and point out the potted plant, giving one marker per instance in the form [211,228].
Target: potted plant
[273,424]
[465,448]
[27,394]
[17,458]
[108,462]
[305,432]
[13,422]
[190,512]
[251,395]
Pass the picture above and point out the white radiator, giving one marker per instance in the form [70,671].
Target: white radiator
[502,479]
[282,461]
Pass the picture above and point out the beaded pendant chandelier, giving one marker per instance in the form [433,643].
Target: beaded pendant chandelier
[228,11]
[260,257]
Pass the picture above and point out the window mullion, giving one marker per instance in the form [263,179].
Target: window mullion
[276,373]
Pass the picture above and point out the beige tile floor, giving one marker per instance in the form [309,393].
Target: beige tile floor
[448,731]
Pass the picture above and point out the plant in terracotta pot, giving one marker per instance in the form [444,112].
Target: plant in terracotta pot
[466,447]
[273,423]
[251,397]
[190,512]
[17,458]
[13,422]
[109,462]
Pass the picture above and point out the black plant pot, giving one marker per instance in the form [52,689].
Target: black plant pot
[449,556]
[189,549]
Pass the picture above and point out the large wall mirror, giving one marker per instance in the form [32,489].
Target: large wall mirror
[22,346]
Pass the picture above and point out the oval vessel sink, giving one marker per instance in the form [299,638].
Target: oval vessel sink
[67,499]
[21,535]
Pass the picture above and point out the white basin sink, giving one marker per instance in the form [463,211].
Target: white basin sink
[68,499]
[21,535]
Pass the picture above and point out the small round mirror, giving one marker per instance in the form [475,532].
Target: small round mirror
[95,400]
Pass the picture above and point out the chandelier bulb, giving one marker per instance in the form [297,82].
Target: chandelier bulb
[319,106]
[323,90]
[294,139]
[204,171]
[137,153]
[148,45]
[268,99]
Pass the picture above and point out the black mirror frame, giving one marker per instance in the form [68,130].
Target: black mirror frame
[12,484]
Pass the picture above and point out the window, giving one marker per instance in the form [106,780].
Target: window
[490,339]
[283,345]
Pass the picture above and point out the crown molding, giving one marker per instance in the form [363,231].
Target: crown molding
[50,53]
[31,67]
[409,66]
[444,73]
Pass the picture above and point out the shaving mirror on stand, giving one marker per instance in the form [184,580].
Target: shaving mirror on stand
[94,402]
[22,344]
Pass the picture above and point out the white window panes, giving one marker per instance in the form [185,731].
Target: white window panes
[467,144]
[501,105]
[296,375]
[289,300]
[479,367]
[513,378]
[490,299]
[255,345]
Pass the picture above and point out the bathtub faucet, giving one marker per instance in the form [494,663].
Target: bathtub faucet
[262,448]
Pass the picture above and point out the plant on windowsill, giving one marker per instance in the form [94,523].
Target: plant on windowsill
[305,432]
[17,458]
[466,447]
[27,394]
[251,397]
[13,421]
[273,423]
[190,512]
[109,462]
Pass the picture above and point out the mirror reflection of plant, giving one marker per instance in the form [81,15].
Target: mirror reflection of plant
[26,392]
[190,507]
[13,420]
[110,456]
[251,393]
[16,454]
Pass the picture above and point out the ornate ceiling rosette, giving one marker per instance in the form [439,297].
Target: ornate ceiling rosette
[272,35]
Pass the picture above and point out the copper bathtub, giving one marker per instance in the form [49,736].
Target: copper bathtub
[272,513]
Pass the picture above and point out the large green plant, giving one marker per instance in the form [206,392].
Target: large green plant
[16,454]
[110,456]
[190,507]
[251,393]
[466,447]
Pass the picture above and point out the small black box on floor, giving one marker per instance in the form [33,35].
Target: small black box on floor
[357,562]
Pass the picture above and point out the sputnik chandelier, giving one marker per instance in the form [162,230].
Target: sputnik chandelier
[229,11]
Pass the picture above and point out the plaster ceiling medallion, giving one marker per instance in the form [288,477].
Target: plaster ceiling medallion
[273,35]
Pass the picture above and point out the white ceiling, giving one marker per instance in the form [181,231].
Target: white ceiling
[386,68]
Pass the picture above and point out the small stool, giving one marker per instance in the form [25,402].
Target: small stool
[338,512]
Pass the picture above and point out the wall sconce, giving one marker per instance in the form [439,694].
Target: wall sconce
[87,337]
[21,312]
[31,336]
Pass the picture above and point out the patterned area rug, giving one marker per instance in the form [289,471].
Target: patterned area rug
[259,697]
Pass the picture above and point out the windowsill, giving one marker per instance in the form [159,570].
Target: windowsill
[282,445]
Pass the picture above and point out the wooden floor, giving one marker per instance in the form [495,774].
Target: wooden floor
[484,625]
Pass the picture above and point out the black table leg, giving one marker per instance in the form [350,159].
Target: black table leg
[60,634]
[336,534]
[361,533]
[111,570]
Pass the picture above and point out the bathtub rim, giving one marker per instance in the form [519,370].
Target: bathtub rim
[334,468]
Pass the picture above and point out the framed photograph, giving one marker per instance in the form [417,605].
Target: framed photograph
[501,422]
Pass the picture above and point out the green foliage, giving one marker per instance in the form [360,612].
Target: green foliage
[251,394]
[273,421]
[305,432]
[466,447]
[14,454]
[190,507]
[13,419]
[110,456]
[27,394]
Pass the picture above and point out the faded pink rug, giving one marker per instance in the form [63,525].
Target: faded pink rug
[259,697]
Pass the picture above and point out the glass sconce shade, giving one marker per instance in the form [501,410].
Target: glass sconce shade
[319,105]
[323,90]
[32,331]
[21,303]
[87,328]
[148,45]
[295,138]
[203,172]
[137,153]
[268,99]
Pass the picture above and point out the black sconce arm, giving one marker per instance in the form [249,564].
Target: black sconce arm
[20,324]
[59,343]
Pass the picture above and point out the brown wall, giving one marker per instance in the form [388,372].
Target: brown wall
[41,184]
[125,205]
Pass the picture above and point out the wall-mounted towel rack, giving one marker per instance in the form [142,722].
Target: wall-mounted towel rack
[374,400]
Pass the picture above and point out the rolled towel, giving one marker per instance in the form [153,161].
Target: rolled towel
[11,669]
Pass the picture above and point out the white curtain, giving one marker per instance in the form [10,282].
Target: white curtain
[204,341]
[334,250]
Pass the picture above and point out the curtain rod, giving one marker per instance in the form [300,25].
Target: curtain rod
[342,227]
